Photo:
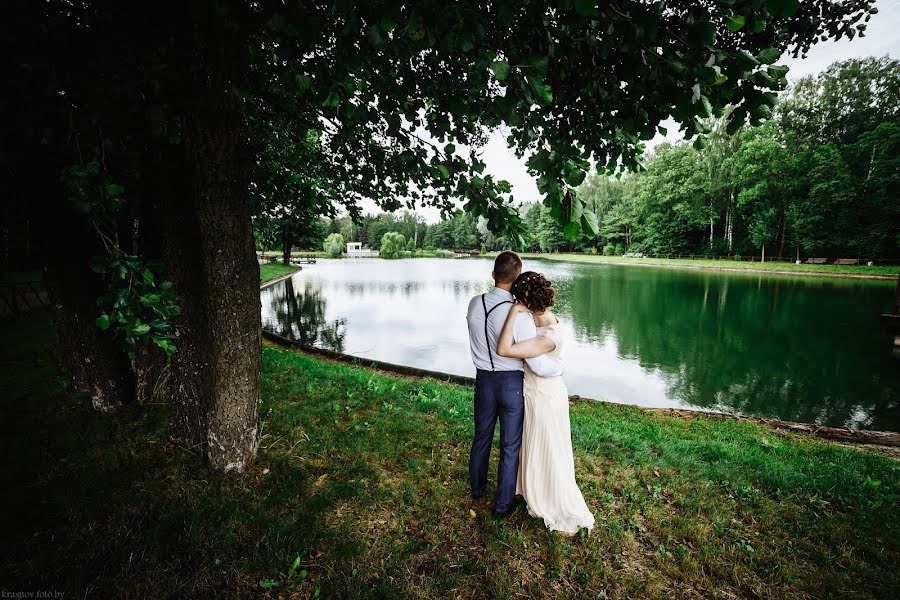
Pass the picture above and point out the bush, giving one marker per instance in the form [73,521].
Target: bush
[392,243]
[440,253]
[620,249]
[483,249]
[594,250]
[608,250]
[334,245]
[411,245]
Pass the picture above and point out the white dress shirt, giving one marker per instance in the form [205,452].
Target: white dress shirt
[524,329]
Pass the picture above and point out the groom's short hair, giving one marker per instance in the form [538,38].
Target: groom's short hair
[507,267]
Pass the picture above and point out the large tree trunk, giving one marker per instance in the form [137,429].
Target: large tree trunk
[210,252]
[287,242]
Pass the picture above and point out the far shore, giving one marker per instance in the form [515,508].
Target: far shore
[883,272]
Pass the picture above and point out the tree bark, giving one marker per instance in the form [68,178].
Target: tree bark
[287,242]
[210,252]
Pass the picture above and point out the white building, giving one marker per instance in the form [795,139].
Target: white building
[355,250]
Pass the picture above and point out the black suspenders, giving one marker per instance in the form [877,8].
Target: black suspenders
[487,313]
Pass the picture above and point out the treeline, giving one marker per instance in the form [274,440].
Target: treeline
[820,178]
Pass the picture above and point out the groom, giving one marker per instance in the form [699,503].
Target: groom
[498,383]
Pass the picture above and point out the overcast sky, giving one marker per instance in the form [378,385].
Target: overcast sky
[881,39]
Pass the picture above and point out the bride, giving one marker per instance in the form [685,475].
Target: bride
[546,464]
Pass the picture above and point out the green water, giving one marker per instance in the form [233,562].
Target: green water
[795,348]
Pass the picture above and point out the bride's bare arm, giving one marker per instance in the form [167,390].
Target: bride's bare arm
[526,348]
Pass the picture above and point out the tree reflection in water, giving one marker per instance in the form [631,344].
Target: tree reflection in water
[799,350]
[300,316]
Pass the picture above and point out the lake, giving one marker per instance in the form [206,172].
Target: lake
[796,348]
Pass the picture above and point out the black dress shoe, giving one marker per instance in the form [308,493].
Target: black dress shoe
[477,495]
[505,513]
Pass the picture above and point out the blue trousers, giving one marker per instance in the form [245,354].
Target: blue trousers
[498,395]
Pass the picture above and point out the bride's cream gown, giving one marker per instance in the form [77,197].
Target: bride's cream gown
[546,464]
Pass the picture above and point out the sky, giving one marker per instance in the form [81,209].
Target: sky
[881,39]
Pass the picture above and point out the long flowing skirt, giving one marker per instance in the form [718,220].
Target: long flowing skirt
[546,463]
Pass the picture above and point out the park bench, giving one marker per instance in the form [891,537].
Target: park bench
[816,261]
[847,261]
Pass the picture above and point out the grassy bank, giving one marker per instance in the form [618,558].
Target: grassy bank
[768,267]
[361,481]
[274,270]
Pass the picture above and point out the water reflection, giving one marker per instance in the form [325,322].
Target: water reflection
[794,348]
[300,315]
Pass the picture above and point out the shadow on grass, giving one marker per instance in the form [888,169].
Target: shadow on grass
[361,479]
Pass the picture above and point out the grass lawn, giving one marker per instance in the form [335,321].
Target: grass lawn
[882,270]
[274,270]
[361,479]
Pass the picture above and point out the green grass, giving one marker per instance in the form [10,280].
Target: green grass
[362,477]
[877,270]
[274,270]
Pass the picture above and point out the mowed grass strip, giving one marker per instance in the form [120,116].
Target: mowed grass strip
[360,491]
[274,270]
[743,265]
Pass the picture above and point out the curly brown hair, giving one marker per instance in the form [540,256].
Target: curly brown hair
[534,291]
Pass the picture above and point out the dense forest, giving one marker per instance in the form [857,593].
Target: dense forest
[819,178]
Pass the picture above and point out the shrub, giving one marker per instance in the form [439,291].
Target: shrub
[392,243]
[620,249]
[411,245]
[483,249]
[608,250]
[594,250]
[334,245]
[440,253]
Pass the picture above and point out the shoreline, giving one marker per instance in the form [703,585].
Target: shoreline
[639,262]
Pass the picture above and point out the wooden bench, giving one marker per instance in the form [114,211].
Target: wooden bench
[816,261]
[847,261]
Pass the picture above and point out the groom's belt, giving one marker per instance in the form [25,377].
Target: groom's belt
[486,373]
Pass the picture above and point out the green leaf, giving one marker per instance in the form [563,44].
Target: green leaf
[536,65]
[500,69]
[140,329]
[543,91]
[449,149]
[745,59]
[575,177]
[735,22]
[769,55]
[332,100]
[778,71]
[478,182]
[589,223]
[444,171]
[114,190]
[572,231]
[267,583]
[700,142]
[706,106]
[577,210]
[294,566]
[103,322]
